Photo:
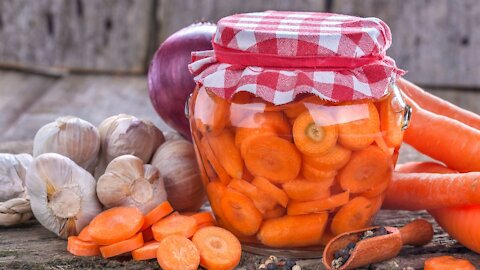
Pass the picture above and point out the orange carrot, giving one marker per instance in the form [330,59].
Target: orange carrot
[422,167]
[78,247]
[263,202]
[115,225]
[271,190]
[301,208]
[85,236]
[219,249]
[174,225]
[240,212]
[242,133]
[223,147]
[355,133]
[311,173]
[448,263]
[293,231]
[303,190]
[210,112]
[215,192]
[178,253]
[157,213]
[122,246]
[206,224]
[147,252]
[391,122]
[334,159]
[437,105]
[147,234]
[354,215]
[214,162]
[203,217]
[314,132]
[276,212]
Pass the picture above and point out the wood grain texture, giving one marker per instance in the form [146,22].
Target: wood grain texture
[436,41]
[79,35]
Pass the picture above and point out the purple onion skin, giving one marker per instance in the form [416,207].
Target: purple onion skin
[169,80]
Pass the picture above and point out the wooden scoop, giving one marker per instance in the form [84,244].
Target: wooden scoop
[378,248]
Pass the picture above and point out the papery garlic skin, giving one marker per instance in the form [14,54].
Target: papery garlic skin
[13,169]
[128,182]
[62,194]
[72,137]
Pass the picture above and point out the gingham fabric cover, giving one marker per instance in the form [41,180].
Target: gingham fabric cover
[292,35]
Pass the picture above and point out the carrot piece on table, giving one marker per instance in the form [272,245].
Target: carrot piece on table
[359,126]
[271,157]
[444,139]
[215,192]
[79,247]
[314,132]
[122,246]
[271,190]
[174,225]
[301,208]
[84,235]
[263,202]
[206,224]
[147,252]
[422,167]
[147,234]
[276,212]
[354,215]
[212,159]
[219,249]
[293,231]
[367,168]
[178,253]
[157,213]
[437,105]
[303,190]
[115,225]
[391,122]
[223,147]
[448,263]
[203,217]
[240,212]
[334,159]
[313,174]
[211,112]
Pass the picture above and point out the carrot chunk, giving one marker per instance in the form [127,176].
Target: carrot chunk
[115,225]
[219,249]
[276,212]
[271,190]
[240,212]
[178,253]
[333,160]
[314,132]
[212,159]
[174,225]
[354,215]
[355,133]
[224,149]
[448,263]
[78,247]
[122,246]
[147,252]
[303,190]
[85,236]
[313,174]
[263,202]
[242,133]
[215,192]
[206,224]
[203,217]
[211,112]
[157,213]
[332,202]
[293,231]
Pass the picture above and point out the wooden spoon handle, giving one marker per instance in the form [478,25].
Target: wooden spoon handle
[417,233]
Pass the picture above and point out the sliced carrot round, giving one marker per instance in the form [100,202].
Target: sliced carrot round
[263,202]
[391,122]
[448,263]
[224,149]
[314,133]
[271,190]
[354,215]
[355,133]
[78,247]
[271,157]
[303,190]
[276,212]
[242,133]
[210,112]
[85,236]
[240,212]
[213,160]
[219,249]
[122,246]
[115,225]
[215,192]
[366,169]
[332,202]
[206,224]
[147,252]
[203,217]
[178,253]
[174,225]
[157,213]
[379,188]
[334,159]
[313,174]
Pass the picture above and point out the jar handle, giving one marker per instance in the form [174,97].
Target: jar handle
[187,106]
[405,108]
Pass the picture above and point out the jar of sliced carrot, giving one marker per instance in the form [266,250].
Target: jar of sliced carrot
[297,124]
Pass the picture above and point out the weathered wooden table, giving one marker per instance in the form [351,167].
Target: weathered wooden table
[29,101]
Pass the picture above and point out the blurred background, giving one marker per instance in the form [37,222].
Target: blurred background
[90,57]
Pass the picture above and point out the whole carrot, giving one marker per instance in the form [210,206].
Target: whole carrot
[422,167]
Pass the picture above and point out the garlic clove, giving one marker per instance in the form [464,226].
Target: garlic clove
[13,169]
[62,194]
[72,137]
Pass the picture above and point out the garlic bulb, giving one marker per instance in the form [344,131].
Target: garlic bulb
[127,135]
[172,135]
[13,169]
[72,137]
[128,182]
[62,194]
[177,164]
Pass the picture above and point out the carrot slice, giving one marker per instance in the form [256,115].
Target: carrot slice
[242,133]
[271,157]
[178,253]
[115,225]
[326,237]
[314,132]
[263,202]
[295,109]
[391,122]
[376,205]
[366,169]
[147,234]
[334,159]
[276,212]
[85,236]
[174,225]
[223,147]
[303,190]
[203,217]
[157,213]
[147,252]
[210,112]
[212,158]
[354,215]
[313,174]
[271,190]
[301,208]
[379,188]
[448,263]
[359,133]
[219,249]
[122,246]
[206,224]
[78,247]
[240,212]
[293,231]
[215,192]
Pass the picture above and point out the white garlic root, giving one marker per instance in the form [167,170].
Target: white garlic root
[72,137]
[62,194]
[127,135]
[128,182]
[177,164]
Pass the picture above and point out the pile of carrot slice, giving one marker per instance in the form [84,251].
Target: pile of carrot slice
[177,241]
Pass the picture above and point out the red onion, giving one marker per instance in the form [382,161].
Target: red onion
[169,81]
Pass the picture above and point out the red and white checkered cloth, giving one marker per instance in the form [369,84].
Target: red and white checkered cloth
[277,55]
